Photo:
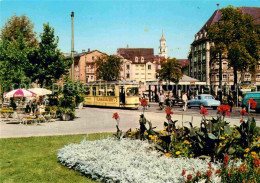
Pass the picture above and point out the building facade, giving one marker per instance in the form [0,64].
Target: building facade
[84,65]
[200,66]
[138,64]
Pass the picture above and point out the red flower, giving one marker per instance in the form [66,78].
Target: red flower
[226,159]
[229,174]
[252,103]
[198,174]
[189,177]
[208,174]
[224,110]
[203,111]
[183,172]
[168,111]
[243,112]
[143,102]
[256,162]
[116,116]
[218,171]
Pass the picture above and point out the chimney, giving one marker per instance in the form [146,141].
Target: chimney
[83,51]
[218,6]
[88,50]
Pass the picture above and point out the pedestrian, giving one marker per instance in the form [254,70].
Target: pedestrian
[230,100]
[185,100]
[161,100]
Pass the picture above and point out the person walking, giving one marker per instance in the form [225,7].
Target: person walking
[161,101]
[230,101]
[185,100]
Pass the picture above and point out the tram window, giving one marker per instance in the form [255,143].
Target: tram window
[94,91]
[102,91]
[132,91]
[87,91]
[111,90]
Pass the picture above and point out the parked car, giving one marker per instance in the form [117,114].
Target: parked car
[203,100]
[176,101]
[251,95]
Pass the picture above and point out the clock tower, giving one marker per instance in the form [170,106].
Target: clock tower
[162,47]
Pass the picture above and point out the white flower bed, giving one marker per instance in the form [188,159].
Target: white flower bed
[127,160]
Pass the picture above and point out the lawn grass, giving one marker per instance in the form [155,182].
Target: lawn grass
[34,159]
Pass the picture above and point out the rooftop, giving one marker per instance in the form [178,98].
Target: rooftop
[216,16]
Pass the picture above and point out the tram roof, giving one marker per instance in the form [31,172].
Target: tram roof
[113,82]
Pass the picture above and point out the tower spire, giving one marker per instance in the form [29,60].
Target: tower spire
[162,38]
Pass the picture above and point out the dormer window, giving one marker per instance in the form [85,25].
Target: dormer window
[142,59]
[136,59]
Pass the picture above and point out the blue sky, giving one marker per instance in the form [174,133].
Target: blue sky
[107,25]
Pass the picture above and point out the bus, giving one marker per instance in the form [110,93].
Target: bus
[112,94]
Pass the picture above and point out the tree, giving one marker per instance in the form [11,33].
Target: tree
[16,39]
[108,68]
[235,37]
[170,70]
[16,27]
[47,64]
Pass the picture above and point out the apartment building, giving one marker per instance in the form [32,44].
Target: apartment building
[200,66]
[138,64]
[84,65]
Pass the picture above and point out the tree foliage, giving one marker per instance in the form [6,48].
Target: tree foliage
[235,37]
[108,68]
[16,40]
[170,70]
[46,63]
[17,27]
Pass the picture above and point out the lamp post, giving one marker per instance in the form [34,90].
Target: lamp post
[72,45]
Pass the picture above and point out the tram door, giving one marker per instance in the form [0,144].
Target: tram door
[122,95]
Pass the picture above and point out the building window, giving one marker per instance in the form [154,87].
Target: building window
[142,59]
[127,67]
[149,67]
[136,73]
[258,76]
[91,77]
[93,57]
[127,75]
[136,59]
[258,67]
[149,73]
[247,76]
[224,76]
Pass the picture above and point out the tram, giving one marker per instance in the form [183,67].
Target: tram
[112,94]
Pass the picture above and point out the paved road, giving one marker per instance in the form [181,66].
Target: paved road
[195,111]
[92,120]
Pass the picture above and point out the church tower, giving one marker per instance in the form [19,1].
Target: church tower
[162,47]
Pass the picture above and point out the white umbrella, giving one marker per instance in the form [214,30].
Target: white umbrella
[41,91]
[19,93]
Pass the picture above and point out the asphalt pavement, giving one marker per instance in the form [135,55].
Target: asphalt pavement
[95,120]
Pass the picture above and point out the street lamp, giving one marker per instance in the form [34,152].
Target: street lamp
[72,45]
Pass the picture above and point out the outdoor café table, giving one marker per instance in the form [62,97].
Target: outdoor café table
[30,119]
[6,113]
[40,117]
